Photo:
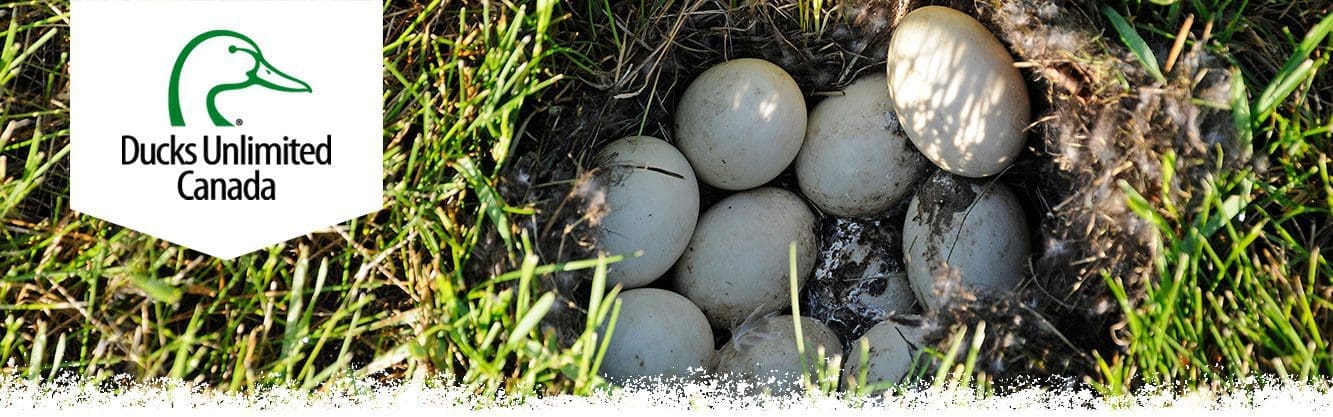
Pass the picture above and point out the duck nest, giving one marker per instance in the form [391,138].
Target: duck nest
[1101,120]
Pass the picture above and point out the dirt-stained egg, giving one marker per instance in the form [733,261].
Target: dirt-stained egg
[891,347]
[964,234]
[740,123]
[653,199]
[957,92]
[856,161]
[736,265]
[764,354]
[658,334]
[860,279]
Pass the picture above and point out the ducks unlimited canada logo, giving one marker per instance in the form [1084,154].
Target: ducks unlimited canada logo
[261,73]
[210,140]
[242,65]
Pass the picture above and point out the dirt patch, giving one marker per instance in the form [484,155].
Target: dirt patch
[944,196]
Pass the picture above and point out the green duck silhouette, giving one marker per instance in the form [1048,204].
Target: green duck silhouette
[239,51]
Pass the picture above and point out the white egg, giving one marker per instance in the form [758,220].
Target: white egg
[764,354]
[740,123]
[957,92]
[653,199]
[737,266]
[856,161]
[658,333]
[964,234]
[891,349]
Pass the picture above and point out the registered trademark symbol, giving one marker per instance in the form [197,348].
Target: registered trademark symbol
[239,122]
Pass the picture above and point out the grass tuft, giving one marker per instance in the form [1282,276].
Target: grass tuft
[1241,288]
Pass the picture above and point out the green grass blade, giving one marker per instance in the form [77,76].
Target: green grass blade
[530,320]
[1136,44]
